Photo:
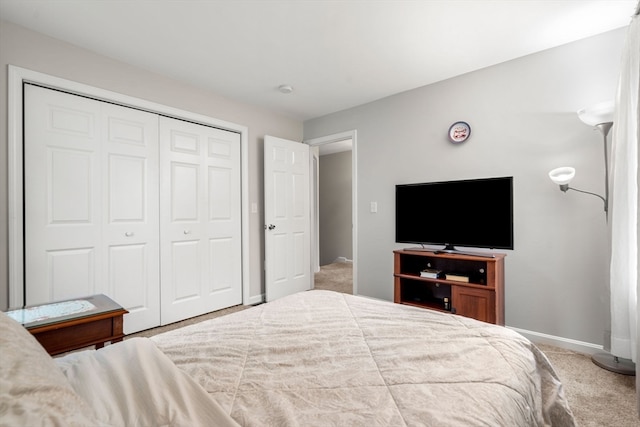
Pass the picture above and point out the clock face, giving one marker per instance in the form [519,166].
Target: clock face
[459,132]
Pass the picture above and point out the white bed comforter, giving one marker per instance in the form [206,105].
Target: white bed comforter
[321,358]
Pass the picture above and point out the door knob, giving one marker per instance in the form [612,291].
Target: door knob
[271,226]
[129,233]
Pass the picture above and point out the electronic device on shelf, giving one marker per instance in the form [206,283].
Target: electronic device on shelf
[470,213]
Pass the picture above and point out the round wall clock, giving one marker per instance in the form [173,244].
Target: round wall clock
[459,132]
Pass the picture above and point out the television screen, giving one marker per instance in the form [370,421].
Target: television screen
[471,213]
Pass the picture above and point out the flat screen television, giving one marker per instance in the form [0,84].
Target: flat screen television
[470,213]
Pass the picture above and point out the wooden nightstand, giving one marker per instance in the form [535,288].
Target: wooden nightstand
[72,324]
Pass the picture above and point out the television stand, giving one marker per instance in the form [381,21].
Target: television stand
[468,285]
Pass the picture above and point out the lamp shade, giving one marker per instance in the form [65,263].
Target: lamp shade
[563,175]
[596,114]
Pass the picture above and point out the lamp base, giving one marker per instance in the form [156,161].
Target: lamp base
[614,364]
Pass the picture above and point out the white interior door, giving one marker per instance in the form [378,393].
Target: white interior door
[200,219]
[287,217]
[91,197]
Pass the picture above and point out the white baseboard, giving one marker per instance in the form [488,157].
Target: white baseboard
[566,343]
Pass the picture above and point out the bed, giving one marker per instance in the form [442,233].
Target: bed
[320,358]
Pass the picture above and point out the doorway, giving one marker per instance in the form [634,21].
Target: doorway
[334,223]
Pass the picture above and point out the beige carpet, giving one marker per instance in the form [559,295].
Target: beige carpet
[598,398]
[198,319]
[335,277]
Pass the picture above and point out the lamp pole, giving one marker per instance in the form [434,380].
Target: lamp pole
[604,128]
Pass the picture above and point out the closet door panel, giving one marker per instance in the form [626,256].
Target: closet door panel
[200,219]
[127,189]
[223,217]
[224,214]
[182,195]
[185,183]
[126,273]
[62,175]
[69,177]
[186,271]
[131,217]
[221,265]
[71,273]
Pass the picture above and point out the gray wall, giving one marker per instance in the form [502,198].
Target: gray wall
[523,120]
[335,207]
[34,51]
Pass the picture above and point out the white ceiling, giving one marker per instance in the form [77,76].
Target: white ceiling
[335,54]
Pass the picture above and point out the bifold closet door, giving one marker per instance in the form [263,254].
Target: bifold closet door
[200,227]
[91,203]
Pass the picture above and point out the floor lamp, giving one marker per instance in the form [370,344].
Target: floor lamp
[601,117]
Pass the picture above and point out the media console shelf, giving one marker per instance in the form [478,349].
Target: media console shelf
[482,297]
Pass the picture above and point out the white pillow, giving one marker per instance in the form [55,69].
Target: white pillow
[33,391]
[132,383]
